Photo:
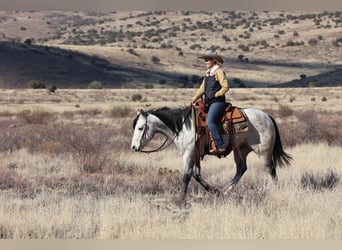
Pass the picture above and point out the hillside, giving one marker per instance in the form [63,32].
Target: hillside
[145,48]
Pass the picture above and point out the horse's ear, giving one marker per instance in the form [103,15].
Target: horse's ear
[142,112]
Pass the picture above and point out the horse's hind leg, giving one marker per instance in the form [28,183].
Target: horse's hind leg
[241,167]
[268,162]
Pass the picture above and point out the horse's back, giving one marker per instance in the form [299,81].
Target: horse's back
[260,127]
[258,117]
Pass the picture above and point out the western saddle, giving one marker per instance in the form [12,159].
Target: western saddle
[233,121]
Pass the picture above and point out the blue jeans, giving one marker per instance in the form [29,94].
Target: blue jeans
[214,113]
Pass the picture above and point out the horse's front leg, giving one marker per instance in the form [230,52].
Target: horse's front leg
[198,177]
[188,161]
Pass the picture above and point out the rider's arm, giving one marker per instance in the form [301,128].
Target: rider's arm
[199,92]
[222,79]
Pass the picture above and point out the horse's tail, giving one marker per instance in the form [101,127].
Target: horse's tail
[280,157]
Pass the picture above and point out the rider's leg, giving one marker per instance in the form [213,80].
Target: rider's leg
[215,112]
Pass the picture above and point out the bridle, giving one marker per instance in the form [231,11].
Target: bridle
[163,145]
[160,148]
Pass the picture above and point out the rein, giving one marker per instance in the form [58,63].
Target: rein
[162,146]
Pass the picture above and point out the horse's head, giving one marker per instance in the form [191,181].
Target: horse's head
[142,131]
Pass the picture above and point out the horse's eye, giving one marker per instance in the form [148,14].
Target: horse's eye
[140,128]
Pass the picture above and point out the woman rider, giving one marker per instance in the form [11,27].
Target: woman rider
[214,87]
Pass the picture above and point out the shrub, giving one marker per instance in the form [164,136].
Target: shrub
[35,84]
[136,97]
[243,47]
[337,42]
[35,117]
[155,59]
[52,88]
[119,112]
[133,52]
[324,99]
[313,41]
[318,183]
[285,111]
[312,84]
[290,43]
[95,85]
[148,86]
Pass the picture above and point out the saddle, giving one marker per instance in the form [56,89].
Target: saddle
[232,121]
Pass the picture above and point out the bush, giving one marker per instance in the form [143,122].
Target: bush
[155,60]
[119,112]
[285,111]
[312,84]
[52,88]
[136,97]
[95,85]
[318,183]
[35,117]
[35,84]
[313,41]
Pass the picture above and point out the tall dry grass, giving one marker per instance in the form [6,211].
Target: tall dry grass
[69,173]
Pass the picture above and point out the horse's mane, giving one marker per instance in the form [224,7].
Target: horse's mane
[174,118]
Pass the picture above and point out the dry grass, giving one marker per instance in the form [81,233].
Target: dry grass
[73,175]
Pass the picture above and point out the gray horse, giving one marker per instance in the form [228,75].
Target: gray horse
[262,137]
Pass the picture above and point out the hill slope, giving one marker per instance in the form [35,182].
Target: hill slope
[72,49]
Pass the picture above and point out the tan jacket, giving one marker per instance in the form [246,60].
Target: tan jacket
[221,78]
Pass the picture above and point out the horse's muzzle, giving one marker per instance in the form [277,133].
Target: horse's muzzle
[136,149]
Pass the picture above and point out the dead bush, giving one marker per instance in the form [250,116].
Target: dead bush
[285,111]
[90,147]
[310,128]
[35,117]
[117,112]
[319,182]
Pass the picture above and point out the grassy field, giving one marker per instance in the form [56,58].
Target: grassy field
[66,170]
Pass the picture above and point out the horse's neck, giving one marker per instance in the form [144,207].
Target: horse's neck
[185,140]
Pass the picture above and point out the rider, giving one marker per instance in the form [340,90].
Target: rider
[214,87]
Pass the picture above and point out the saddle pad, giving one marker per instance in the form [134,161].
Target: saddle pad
[234,114]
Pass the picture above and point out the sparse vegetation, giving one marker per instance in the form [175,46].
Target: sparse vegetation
[35,84]
[95,85]
[141,34]
[320,182]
